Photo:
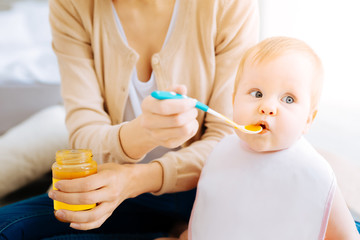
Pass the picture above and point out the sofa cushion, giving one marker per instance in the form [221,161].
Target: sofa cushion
[28,149]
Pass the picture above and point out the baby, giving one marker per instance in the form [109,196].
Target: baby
[272,185]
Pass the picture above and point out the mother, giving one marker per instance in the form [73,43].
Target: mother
[112,55]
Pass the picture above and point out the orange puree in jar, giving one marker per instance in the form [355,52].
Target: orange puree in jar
[72,164]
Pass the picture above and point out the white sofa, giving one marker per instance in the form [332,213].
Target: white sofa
[32,129]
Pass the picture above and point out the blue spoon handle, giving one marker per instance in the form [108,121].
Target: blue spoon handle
[161,95]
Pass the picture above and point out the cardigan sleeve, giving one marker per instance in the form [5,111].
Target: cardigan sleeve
[88,123]
[237,28]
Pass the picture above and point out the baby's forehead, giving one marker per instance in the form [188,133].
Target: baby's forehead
[286,64]
[258,58]
[289,71]
[289,63]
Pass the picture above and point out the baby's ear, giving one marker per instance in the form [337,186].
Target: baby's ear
[310,120]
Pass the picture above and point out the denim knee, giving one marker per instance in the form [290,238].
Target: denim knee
[29,219]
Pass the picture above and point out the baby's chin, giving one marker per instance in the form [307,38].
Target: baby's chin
[263,145]
[261,149]
[265,149]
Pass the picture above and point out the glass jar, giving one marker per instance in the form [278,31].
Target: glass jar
[72,164]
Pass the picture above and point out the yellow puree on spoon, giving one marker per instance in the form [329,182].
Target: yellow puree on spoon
[253,128]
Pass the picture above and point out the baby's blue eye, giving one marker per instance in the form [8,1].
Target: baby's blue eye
[288,99]
[256,94]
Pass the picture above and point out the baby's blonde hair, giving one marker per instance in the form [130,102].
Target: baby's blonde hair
[274,47]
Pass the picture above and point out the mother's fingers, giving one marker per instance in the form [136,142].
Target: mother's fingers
[90,183]
[155,121]
[104,194]
[84,220]
[84,184]
[178,134]
[83,216]
[168,106]
[90,225]
[77,198]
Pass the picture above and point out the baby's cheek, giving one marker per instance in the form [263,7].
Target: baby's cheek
[236,117]
[239,114]
[292,134]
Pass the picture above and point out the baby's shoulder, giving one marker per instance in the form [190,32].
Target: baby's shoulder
[304,151]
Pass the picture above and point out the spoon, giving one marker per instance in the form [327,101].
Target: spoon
[251,129]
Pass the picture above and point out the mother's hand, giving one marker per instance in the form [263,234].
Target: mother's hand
[169,122]
[108,188]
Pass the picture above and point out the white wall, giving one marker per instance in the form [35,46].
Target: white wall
[332,29]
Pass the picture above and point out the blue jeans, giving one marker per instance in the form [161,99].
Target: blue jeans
[144,217]
[141,218]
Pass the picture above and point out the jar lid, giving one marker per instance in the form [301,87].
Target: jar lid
[73,156]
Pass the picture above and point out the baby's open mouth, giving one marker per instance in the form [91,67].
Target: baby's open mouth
[263,124]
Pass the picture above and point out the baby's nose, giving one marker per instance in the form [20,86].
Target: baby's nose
[268,110]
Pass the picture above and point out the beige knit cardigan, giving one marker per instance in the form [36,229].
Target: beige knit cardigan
[202,52]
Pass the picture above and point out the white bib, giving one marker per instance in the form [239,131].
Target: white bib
[242,194]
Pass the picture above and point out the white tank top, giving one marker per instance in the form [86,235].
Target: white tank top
[242,194]
[138,90]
